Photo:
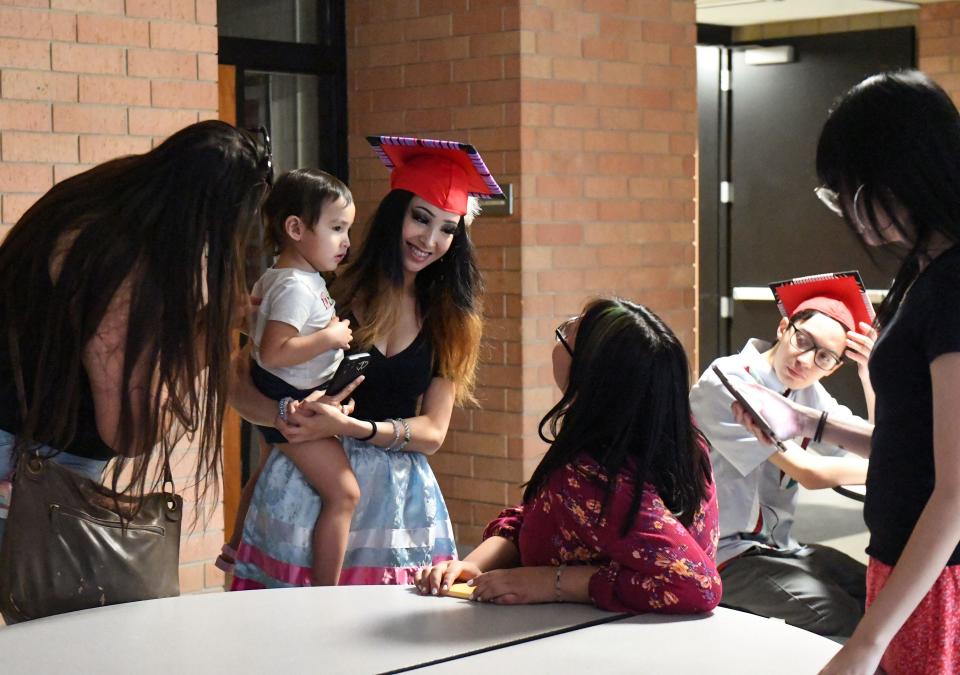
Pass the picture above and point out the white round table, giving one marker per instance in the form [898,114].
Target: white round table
[371,629]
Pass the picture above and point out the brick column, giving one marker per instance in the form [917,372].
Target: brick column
[938,46]
[82,81]
[588,108]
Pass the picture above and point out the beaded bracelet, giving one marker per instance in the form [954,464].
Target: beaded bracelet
[406,434]
[282,407]
[396,434]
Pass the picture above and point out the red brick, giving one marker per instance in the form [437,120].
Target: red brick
[207,67]
[191,578]
[672,33]
[23,177]
[425,28]
[92,6]
[483,20]
[64,171]
[16,204]
[476,116]
[154,63]
[493,44]
[87,59]
[21,146]
[117,90]
[207,12]
[576,23]
[444,49]
[536,18]
[412,75]
[184,94]
[175,10]
[605,6]
[109,30]
[575,116]
[24,116]
[546,91]
[557,44]
[89,119]
[24,84]
[650,52]
[433,120]
[37,25]
[27,54]
[604,48]
[472,70]
[191,38]
[495,91]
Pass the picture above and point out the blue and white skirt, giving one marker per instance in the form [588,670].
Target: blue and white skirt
[400,524]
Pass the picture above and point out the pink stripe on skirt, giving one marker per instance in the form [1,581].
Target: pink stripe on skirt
[929,642]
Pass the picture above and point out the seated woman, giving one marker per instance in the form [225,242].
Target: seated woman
[624,495]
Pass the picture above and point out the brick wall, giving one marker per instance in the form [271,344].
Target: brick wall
[588,108]
[938,45]
[82,81]
[835,24]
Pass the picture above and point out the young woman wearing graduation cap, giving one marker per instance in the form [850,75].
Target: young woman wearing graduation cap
[413,294]
[764,569]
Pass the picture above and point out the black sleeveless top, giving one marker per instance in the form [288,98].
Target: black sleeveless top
[392,386]
[87,441]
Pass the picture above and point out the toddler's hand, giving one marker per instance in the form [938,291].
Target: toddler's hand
[339,331]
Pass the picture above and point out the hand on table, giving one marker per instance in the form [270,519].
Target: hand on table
[516,586]
[437,579]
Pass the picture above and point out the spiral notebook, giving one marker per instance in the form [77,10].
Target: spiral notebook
[846,287]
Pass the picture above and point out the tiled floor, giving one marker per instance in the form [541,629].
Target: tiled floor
[826,517]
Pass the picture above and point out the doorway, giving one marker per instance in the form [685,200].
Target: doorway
[759,218]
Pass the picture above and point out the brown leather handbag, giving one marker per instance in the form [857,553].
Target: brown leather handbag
[66,547]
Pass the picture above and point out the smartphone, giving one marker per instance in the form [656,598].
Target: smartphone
[757,417]
[350,369]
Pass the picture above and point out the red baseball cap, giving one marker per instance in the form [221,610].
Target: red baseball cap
[840,295]
[444,173]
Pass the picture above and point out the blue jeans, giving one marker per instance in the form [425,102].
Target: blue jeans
[88,468]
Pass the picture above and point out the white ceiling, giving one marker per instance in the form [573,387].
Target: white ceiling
[748,12]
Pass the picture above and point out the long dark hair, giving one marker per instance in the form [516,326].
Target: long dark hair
[448,292]
[626,405]
[144,224]
[896,134]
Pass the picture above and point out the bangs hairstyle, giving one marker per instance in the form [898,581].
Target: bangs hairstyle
[897,135]
[302,193]
[167,228]
[626,405]
[447,293]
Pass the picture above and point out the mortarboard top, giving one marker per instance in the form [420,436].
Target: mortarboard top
[444,173]
[840,295]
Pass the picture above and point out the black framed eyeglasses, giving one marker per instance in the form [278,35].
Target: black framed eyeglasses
[803,342]
[561,333]
[267,149]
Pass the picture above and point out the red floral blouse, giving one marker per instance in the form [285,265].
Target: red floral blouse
[659,566]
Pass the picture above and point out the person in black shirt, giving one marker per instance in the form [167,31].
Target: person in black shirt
[889,160]
[412,296]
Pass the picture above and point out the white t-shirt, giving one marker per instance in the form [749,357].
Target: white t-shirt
[301,300]
[757,501]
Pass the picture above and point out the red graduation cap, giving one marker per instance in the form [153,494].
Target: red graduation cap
[445,173]
[841,296]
